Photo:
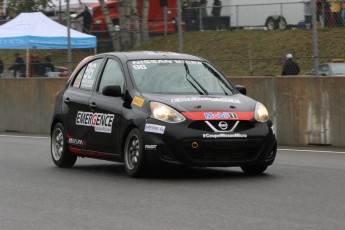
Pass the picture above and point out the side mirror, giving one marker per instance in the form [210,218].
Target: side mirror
[241,89]
[112,90]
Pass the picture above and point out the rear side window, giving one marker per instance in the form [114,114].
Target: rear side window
[112,75]
[86,77]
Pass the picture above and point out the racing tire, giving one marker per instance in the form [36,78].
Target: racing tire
[59,151]
[253,169]
[135,161]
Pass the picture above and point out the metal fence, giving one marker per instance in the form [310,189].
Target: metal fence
[253,39]
[250,37]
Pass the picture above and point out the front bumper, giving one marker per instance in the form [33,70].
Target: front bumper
[192,146]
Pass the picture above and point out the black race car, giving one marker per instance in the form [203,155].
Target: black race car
[150,108]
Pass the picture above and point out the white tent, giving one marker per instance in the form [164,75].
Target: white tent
[37,31]
[73,4]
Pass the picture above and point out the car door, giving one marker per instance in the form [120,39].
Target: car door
[76,103]
[104,137]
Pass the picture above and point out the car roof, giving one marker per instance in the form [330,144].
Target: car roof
[135,55]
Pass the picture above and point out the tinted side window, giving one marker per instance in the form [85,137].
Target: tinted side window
[87,75]
[112,75]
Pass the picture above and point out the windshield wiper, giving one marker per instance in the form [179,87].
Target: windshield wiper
[200,86]
[220,81]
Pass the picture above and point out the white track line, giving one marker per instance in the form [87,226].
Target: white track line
[310,150]
[34,137]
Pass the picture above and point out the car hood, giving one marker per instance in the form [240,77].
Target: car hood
[202,103]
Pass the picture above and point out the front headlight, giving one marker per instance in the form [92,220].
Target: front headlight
[165,113]
[261,113]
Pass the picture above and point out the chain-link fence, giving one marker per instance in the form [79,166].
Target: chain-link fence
[254,37]
[242,37]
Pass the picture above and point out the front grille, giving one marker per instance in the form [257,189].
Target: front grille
[224,150]
[239,125]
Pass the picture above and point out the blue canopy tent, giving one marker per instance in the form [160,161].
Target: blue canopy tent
[37,31]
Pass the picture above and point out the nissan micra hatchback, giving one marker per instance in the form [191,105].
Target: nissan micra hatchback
[151,108]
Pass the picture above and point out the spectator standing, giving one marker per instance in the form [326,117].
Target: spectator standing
[203,4]
[187,15]
[48,65]
[216,9]
[1,67]
[36,66]
[336,12]
[87,19]
[195,7]
[18,67]
[342,12]
[290,67]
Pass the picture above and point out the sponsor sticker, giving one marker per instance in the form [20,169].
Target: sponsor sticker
[101,122]
[143,64]
[220,116]
[76,141]
[218,99]
[150,147]
[223,135]
[151,128]
[138,101]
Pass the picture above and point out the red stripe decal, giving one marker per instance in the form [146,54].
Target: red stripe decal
[87,153]
[218,115]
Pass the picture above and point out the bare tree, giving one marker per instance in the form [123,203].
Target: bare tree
[144,20]
[124,15]
[134,21]
[128,35]
[109,24]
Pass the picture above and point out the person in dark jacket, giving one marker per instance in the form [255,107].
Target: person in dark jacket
[18,67]
[217,7]
[87,19]
[290,66]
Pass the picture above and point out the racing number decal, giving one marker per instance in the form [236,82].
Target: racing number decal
[139,67]
[89,71]
[88,77]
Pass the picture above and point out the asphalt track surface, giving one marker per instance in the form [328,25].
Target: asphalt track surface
[304,189]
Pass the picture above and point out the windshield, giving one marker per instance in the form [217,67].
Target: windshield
[178,77]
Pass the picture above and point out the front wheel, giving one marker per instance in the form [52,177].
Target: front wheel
[254,169]
[134,155]
[59,151]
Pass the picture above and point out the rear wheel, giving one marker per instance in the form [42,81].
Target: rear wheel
[59,151]
[270,23]
[134,155]
[254,169]
[282,23]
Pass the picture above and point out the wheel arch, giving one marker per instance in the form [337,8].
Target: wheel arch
[54,122]
[124,137]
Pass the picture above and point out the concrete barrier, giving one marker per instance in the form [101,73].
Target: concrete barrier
[26,105]
[305,109]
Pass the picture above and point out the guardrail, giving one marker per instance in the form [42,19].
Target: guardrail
[305,109]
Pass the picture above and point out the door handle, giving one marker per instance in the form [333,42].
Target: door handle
[93,105]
